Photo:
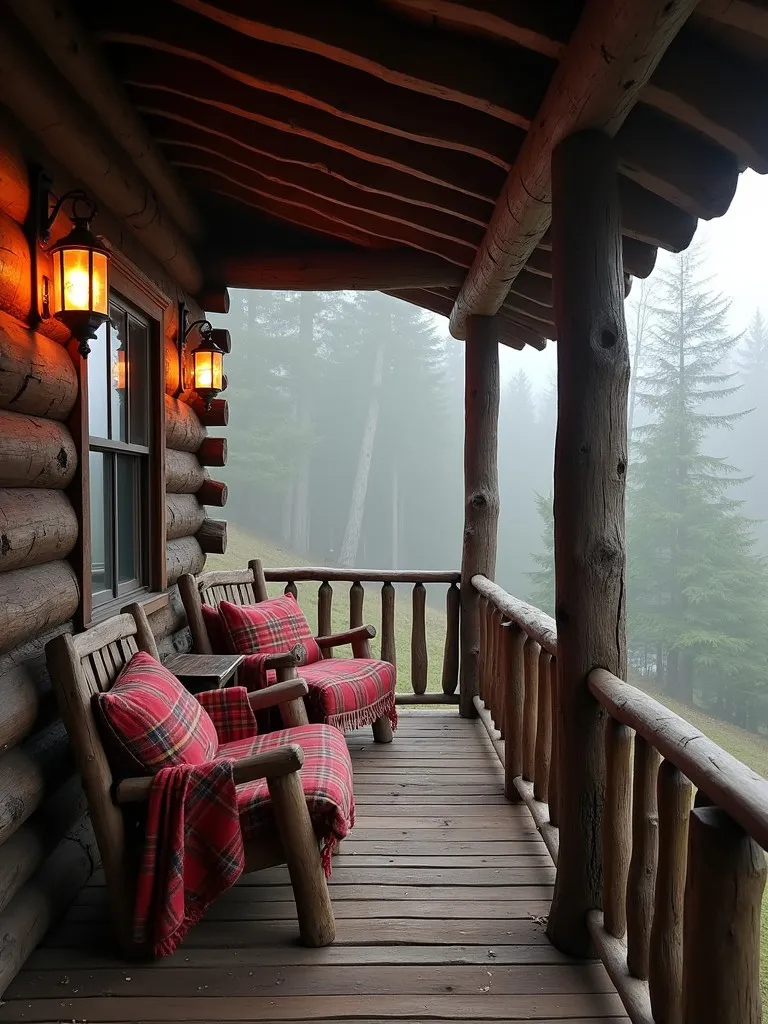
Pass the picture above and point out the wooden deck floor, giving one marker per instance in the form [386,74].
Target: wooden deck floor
[440,896]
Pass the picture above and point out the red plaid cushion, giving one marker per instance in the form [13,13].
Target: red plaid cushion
[351,692]
[149,721]
[326,778]
[230,713]
[270,627]
[217,631]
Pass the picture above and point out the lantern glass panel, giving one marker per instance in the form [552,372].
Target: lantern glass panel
[75,273]
[203,369]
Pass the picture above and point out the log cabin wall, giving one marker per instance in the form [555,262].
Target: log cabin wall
[47,848]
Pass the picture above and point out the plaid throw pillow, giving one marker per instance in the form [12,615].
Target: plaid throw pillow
[149,721]
[217,631]
[270,627]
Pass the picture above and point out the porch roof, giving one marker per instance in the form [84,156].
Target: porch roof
[348,145]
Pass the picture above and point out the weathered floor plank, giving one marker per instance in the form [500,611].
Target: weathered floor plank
[440,897]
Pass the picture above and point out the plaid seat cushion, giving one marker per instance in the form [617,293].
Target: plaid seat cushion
[326,778]
[149,721]
[217,631]
[230,713]
[270,627]
[350,692]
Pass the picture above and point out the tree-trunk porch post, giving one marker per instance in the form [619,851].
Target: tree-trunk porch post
[481,489]
[589,485]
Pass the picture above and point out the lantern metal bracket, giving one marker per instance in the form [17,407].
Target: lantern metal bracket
[185,329]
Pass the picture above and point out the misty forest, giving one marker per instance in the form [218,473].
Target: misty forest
[346,441]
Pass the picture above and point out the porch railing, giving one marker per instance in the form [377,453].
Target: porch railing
[392,582]
[683,875]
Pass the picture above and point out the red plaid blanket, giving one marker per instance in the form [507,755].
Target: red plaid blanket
[193,851]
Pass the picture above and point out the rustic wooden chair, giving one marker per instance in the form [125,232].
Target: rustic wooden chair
[248,586]
[84,665]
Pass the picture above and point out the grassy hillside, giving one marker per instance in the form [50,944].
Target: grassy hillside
[242,546]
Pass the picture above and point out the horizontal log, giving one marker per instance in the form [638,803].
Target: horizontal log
[730,784]
[14,174]
[534,622]
[212,536]
[35,452]
[653,220]
[213,452]
[214,299]
[183,430]
[37,375]
[183,555]
[44,898]
[213,493]
[183,473]
[15,276]
[26,700]
[216,415]
[169,618]
[34,600]
[28,773]
[184,515]
[29,845]
[221,337]
[302,574]
[50,109]
[35,526]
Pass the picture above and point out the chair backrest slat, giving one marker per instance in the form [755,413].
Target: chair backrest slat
[238,586]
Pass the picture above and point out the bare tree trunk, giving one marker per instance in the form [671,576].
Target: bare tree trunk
[300,520]
[395,517]
[354,528]
[642,315]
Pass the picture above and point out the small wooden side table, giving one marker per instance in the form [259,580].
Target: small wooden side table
[200,672]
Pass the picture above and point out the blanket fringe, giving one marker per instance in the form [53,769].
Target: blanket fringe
[350,720]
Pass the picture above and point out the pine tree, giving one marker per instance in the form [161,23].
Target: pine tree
[750,434]
[542,591]
[697,588]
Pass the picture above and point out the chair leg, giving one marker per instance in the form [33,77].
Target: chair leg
[382,730]
[302,854]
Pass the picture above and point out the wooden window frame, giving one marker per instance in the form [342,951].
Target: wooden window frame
[131,285]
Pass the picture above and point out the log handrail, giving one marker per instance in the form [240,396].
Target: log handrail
[316,574]
[535,623]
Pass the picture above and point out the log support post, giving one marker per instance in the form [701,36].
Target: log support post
[481,490]
[589,484]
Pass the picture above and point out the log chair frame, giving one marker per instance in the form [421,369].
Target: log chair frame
[242,586]
[83,665]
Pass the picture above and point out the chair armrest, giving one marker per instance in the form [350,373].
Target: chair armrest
[289,659]
[350,637]
[270,765]
[277,693]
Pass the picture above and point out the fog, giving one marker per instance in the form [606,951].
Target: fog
[346,434]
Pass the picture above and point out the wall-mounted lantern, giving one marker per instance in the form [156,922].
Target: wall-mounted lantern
[80,298]
[207,361]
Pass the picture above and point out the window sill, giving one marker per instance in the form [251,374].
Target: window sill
[151,601]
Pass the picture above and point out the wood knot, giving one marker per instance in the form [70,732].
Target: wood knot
[62,458]
[5,544]
[608,338]
[479,501]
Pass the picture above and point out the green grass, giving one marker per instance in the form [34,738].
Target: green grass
[747,747]
[242,546]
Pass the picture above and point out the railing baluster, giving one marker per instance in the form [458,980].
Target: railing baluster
[497,674]
[482,660]
[388,650]
[450,680]
[530,707]
[665,962]
[642,867]
[514,680]
[543,730]
[616,827]
[721,933]
[356,598]
[324,603]
[419,640]
[554,764]
[291,588]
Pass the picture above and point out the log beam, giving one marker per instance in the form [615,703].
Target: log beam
[48,106]
[481,492]
[35,452]
[37,376]
[213,493]
[183,555]
[587,89]
[34,600]
[183,430]
[213,452]
[184,515]
[212,536]
[590,469]
[35,526]
[339,269]
[183,473]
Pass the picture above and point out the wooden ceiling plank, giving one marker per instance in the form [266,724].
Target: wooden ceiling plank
[73,51]
[532,310]
[639,258]
[532,324]
[178,118]
[510,334]
[386,231]
[651,219]
[239,162]
[400,52]
[314,81]
[612,53]
[334,269]
[750,16]
[176,77]
[424,299]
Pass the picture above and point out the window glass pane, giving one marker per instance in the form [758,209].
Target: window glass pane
[128,513]
[138,348]
[101,524]
[120,375]
[98,421]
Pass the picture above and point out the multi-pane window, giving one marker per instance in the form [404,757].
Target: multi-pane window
[119,427]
